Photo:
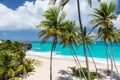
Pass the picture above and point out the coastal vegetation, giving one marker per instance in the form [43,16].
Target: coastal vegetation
[56,26]
[107,32]
[13,63]
[75,72]
[67,33]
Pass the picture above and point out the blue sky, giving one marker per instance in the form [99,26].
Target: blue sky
[13,4]
[19,35]
[20,17]
[118,4]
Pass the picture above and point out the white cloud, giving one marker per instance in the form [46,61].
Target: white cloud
[25,17]
[117,22]
[29,15]
[85,10]
[71,10]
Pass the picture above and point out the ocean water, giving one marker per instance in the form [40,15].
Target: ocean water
[97,50]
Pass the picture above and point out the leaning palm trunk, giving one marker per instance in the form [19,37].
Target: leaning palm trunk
[106,49]
[107,57]
[93,63]
[114,58]
[83,40]
[108,52]
[78,62]
[107,60]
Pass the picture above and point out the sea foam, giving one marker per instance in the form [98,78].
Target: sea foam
[55,55]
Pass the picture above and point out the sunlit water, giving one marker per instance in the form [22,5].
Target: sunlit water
[97,50]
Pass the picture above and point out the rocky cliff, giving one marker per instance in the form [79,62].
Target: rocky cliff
[28,45]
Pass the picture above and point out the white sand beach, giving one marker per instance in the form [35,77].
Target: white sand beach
[60,68]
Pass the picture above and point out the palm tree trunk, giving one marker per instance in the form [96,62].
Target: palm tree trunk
[52,49]
[84,46]
[78,62]
[107,57]
[107,60]
[94,63]
[75,62]
[114,58]
[111,75]
[51,61]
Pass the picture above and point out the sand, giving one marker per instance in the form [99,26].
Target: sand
[60,68]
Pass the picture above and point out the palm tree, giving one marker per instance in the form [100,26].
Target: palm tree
[83,38]
[88,42]
[64,2]
[104,34]
[68,38]
[114,37]
[103,20]
[110,35]
[52,24]
[103,17]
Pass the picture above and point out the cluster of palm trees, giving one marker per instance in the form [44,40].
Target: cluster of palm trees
[107,32]
[67,33]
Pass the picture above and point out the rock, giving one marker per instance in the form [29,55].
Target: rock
[28,45]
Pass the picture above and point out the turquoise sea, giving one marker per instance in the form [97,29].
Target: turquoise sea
[97,50]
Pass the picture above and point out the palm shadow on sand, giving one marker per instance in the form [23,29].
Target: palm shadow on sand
[65,75]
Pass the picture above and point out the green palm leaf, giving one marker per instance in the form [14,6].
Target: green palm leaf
[104,15]
[14,78]
[24,70]
[11,72]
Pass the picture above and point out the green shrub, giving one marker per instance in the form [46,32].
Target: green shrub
[75,72]
[13,61]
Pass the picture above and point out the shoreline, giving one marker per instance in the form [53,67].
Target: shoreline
[57,56]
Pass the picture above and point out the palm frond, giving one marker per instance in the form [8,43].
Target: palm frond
[46,37]
[112,7]
[98,12]
[112,16]
[44,24]
[41,33]
[63,3]
[62,17]
[95,26]
[95,20]
[95,15]
[104,8]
